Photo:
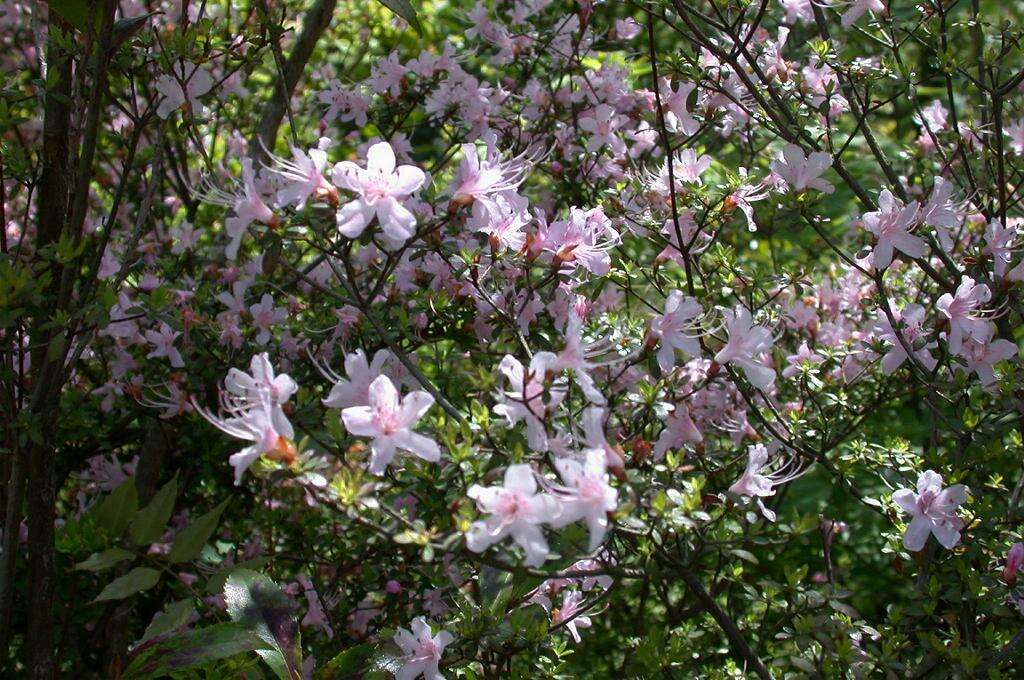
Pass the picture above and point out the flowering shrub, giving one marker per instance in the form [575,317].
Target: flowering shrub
[523,338]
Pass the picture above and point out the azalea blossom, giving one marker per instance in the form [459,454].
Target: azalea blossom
[569,614]
[185,84]
[982,353]
[576,357]
[1014,562]
[503,220]
[760,478]
[381,189]
[421,650]
[355,390]
[583,239]
[933,511]
[960,309]
[251,409]
[679,430]
[910,321]
[747,342]
[677,115]
[941,212]
[515,509]
[801,172]
[1001,242]
[388,419]
[602,124]
[858,8]
[479,179]
[265,316]
[525,398]
[585,494]
[677,328]
[163,345]
[303,176]
[891,225]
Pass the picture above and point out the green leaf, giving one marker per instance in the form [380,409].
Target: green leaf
[350,663]
[173,617]
[190,541]
[104,560]
[215,584]
[135,581]
[257,603]
[404,9]
[149,522]
[75,12]
[157,658]
[115,511]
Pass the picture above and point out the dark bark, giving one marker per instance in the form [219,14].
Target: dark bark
[56,220]
[41,492]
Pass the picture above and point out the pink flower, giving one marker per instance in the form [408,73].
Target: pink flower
[1015,131]
[679,430]
[586,494]
[746,344]
[251,410]
[1001,242]
[802,357]
[265,316]
[1014,561]
[584,239]
[758,484]
[688,166]
[503,220]
[858,9]
[525,398]
[381,190]
[570,614]
[677,329]
[677,115]
[249,207]
[303,176]
[421,650]
[802,172]
[388,420]
[959,309]
[933,510]
[602,124]
[515,509]
[185,85]
[593,436]
[355,391]
[891,225]
[479,179]
[163,345]
[909,321]
[626,29]
[941,212]
[798,10]
[980,355]
[576,358]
